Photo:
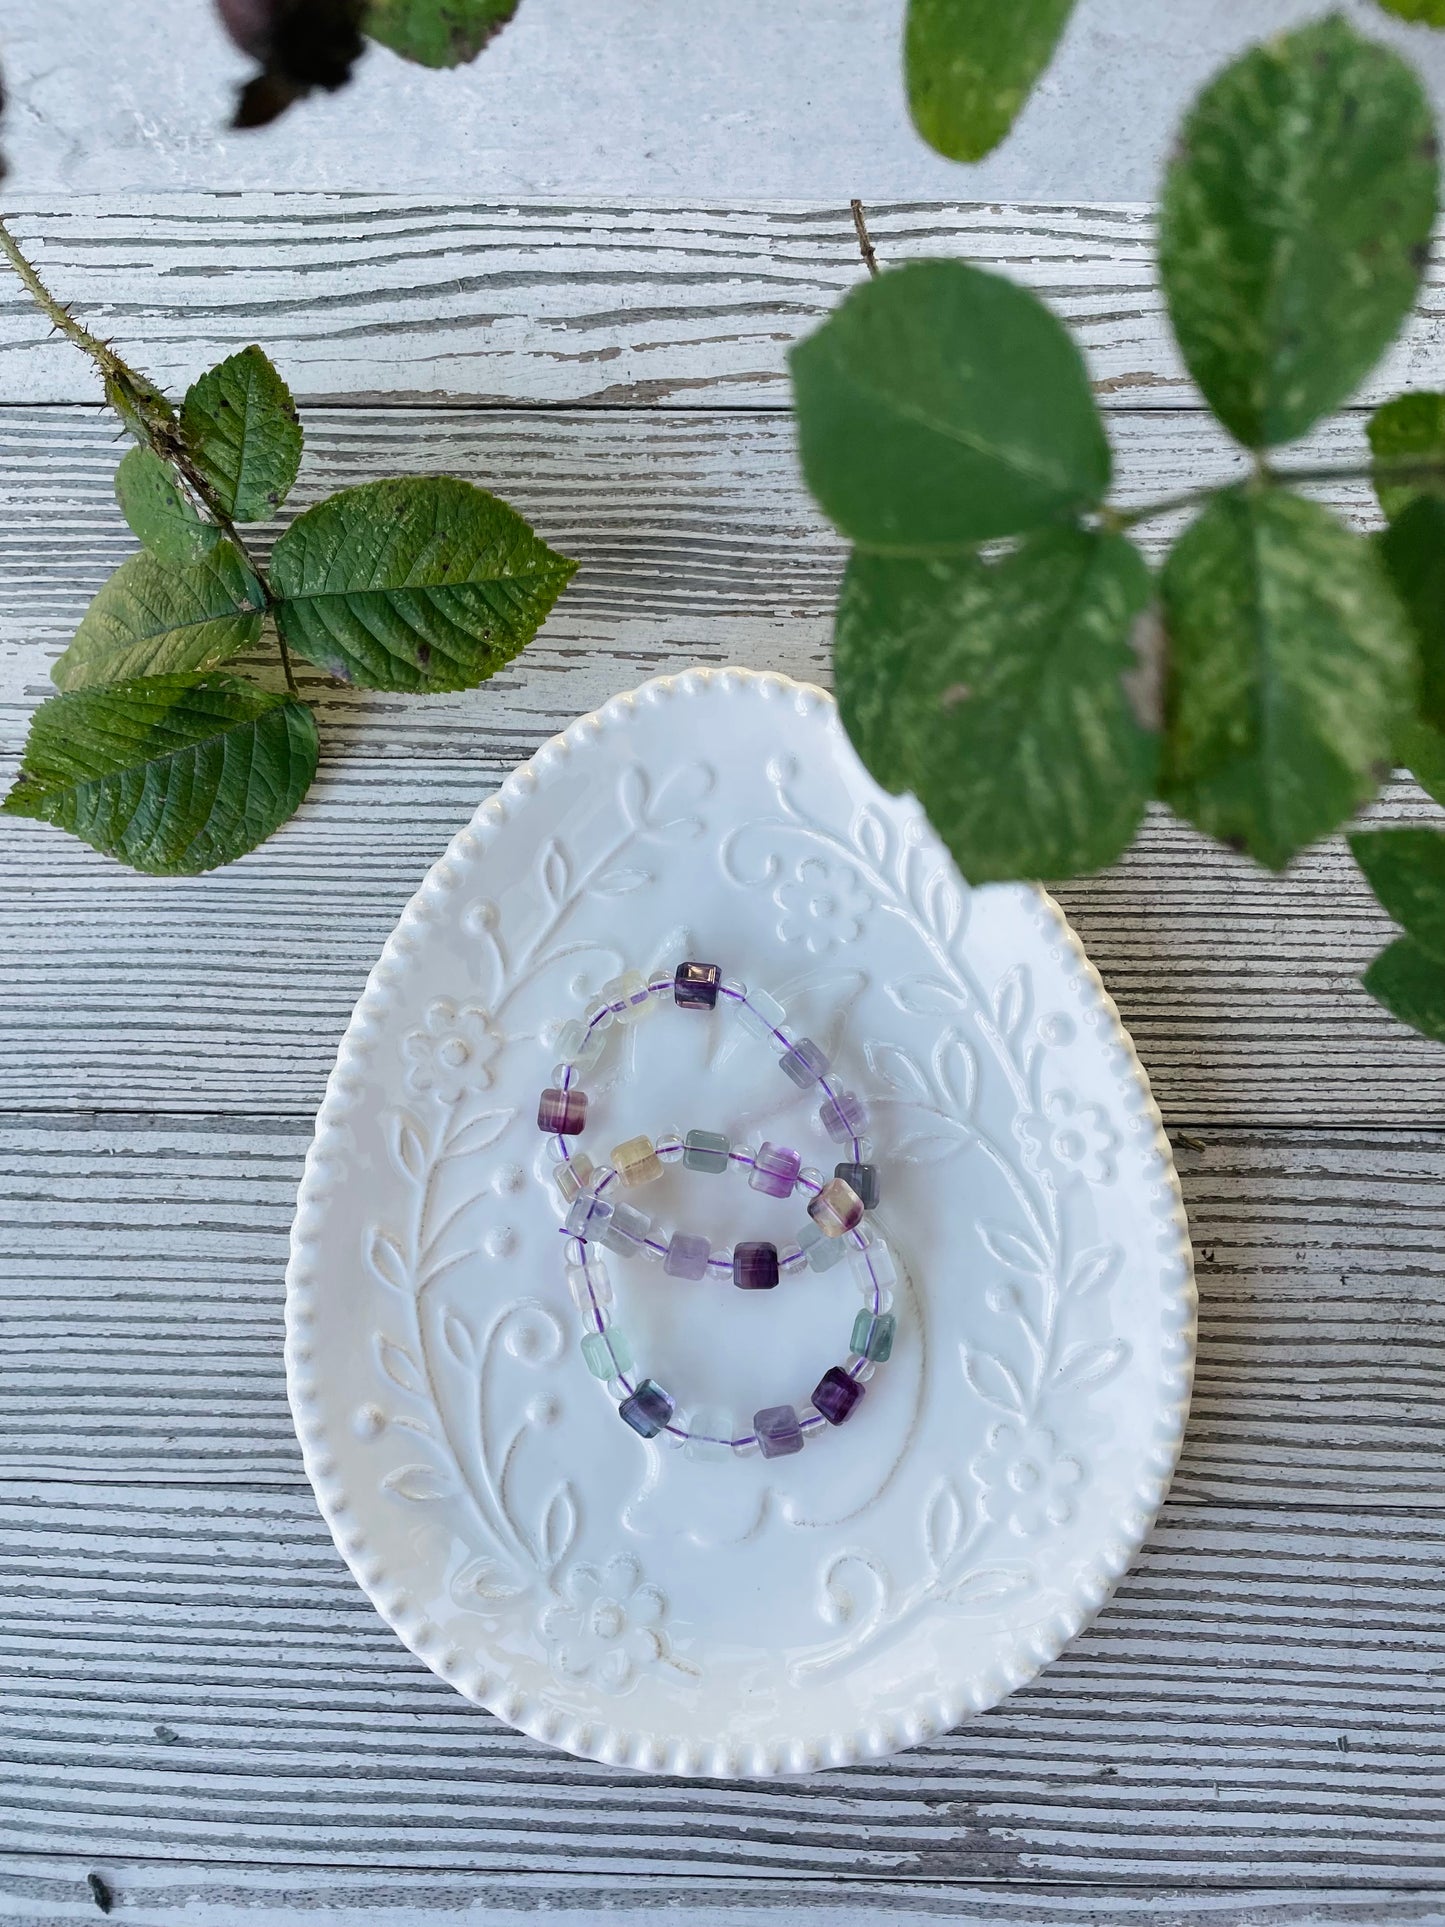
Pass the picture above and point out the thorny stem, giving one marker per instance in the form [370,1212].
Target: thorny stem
[1416,469]
[865,246]
[162,437]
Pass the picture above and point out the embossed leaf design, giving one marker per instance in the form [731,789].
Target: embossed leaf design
[554,871]
[407,1146]
[926,996]
[486,1580]
[990,1583]
[621,883]
[559,1527]
[941,910]
[955,1072]
[384,1257]
[399,1365]
[633,790]
[853,1591]
[458,1340]
[419,1484]
[899,1070]
[1011,1001]
[872,837]
[479,1133]
[1011,1250]
[992,1380]
[943,1524]
[1091,1364]
[1091,1269]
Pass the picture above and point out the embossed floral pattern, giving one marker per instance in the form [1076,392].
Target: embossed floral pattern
[607,1626]
[1078,1137]
[1027,1483]
[823,905]
[453,1053]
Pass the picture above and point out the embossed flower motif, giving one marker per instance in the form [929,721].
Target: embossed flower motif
[607,1625]
[453,1053]
[1028,1483]
[823,905]
[1078,1137]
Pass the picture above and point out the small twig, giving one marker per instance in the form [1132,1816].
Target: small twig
[865,246]
[1415,469]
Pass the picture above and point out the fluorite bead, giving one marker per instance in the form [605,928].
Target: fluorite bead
[883,1272]
[836,1208]
[579,1045]
[755,1266]
[687,1255]
[625,1228]
[564,1112]
[607,1353]
[761,1014]
[711,1433]
[778,1430]
[669,1146]
[632,992]
[803,1063]
[648,1409]
[775,1171]
[821,1251]
[589,1285]
[864,1180]
[637,1161]
[873,1336]
[705,1151]
[588,1215]
[843,1116]
[695,986]
[836,1394]
[573,1176]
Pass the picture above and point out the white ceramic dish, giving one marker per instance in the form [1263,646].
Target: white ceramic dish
[749,1617]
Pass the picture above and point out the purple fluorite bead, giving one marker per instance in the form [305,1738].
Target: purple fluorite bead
[695,986]
[778,1430]
[648,1409]
[864,1180]
[843,1116]
[775,1171]
[687,1255]
[836,1208]
[562,1112]
[804,1063]
[755,1267]
[836,1394]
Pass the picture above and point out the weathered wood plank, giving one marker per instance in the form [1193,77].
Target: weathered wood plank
[192,1673]
[142,1310]
[360,297]
[698,544]
[47,1891]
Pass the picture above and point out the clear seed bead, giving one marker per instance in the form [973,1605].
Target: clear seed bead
[861,1368]
[761,1014]
[744,1448]
[670,1146]
[598,1015]
[791,1258]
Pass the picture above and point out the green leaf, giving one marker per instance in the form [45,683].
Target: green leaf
[158,512]
[422,583]
[1410,983]
[971,64]
[242,433]
[437,33]
[1412,550]
[1406,870]
[170,774]
[1295,226]
[1291,672]
[939,407]
[152,620]
[997,692]
[1422,751]
[1428,13]
[1409,428]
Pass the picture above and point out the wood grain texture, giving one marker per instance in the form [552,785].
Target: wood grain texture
[364,297]
[697,544]
[143,1312]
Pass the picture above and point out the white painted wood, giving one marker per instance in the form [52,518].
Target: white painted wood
[143,1309]
[613,303]
[48,1890]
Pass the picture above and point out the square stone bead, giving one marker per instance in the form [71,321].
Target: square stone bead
[711,1433]
[836,1393]
[631,991]
[687,1255]
[873,1337]
[625,1228]
[836,1208]
[864,1180]
[884,1273]
[761,1014]
[588,1215]
[821,1251]
[778,1430]
[637,1161]
[590,1286]
[573,1175]
[705,1151]
[564,1112]
[843,1116]
[695,986]
[648,1409]
[607,1353]
[775,1171]
[803,1063]
[755,1266]
[579,1044]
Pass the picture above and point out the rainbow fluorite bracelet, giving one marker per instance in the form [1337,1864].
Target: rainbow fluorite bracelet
[835,1228]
